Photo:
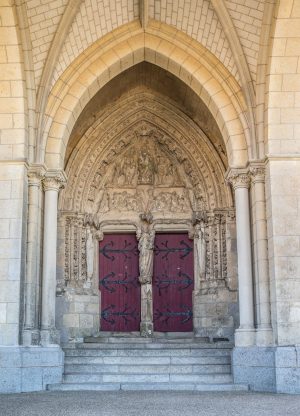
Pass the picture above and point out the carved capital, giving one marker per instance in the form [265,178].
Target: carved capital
[238,178]
[35,175]
[257,173]
[54,181]
[199,217]
[99,235]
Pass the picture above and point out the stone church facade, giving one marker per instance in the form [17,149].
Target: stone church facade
[176,124]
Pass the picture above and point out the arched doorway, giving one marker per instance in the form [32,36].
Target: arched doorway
[147,158]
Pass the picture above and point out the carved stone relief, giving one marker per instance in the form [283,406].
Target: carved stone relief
[75,251]
[143,177]
[193,157]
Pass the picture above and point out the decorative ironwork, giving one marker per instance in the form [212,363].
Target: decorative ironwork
[164,281]
[125,283]
[186,314]
[185,249]
[127,314]
[108,251]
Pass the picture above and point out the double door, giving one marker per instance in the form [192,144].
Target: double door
[172,283]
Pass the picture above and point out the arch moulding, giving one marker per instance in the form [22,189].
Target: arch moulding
[165,47]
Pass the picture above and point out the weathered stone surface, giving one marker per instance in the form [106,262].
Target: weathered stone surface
[24,369]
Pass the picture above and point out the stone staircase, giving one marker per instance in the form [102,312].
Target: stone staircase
[148,364]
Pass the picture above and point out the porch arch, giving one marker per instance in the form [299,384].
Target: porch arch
[165,47]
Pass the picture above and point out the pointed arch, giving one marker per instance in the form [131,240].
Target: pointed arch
[165,47]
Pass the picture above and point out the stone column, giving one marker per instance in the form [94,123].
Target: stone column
[240,181]
[52,182]
[31,330]
[264,334]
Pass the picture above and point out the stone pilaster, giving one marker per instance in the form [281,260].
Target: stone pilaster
[240,181]
[53,181]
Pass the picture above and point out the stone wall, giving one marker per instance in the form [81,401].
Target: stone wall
[24,369]
[77,315]
[272,369]
[283,181]
[13,176]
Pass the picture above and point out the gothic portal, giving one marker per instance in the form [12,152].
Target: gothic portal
[145,170]
[149,189]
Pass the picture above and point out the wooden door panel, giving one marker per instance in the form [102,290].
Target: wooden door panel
[118,283]
[173,283]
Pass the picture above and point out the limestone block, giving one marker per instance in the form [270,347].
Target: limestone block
[10,357]
[3,313]
[14,267]
[31,379]
[9,333]
[286,357]
[71,320]
[52,375]
[10,380]
[92,308]
[9,290]
[4,228]
[85,321]
[77,307]
[288,380]
[12,312]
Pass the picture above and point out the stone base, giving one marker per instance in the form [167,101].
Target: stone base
[31,337]
[50,337]
[264,337]
[25,369]
[146,329]
[268,369]
[244,337]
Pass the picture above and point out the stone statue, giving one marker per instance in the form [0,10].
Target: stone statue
[146,245]
[89,256]
[200,244]
[145,169]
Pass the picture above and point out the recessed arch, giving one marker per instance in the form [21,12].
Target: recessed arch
[165,47]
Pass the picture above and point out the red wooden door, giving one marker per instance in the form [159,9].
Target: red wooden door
[119,285]
[173,283]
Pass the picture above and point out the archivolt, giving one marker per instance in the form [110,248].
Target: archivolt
[165,47]
[103,143]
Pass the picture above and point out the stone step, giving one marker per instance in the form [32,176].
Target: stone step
[141,344]
[147,386]
[141,340]
[148,378]
[156,352]
[143,368]
[213,360]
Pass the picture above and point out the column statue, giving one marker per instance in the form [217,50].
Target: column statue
[200,245]
[146,245]
[89,256]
